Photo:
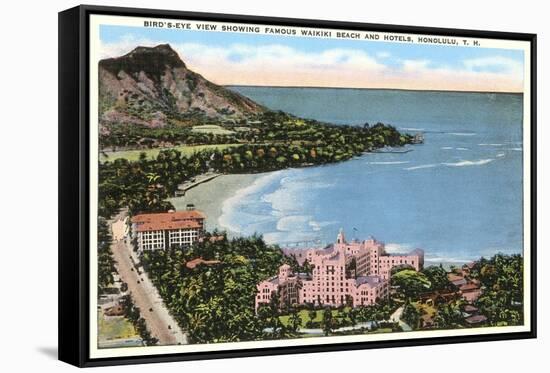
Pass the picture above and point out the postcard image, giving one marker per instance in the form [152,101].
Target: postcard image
[264,186]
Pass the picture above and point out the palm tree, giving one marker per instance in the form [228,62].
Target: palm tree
[312,314]
[295,321]
[352,314]
[327,321]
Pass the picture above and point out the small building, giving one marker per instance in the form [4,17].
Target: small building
[434,298]
[456,279]
[369,290]
[476,320]
[159,231]
[470,292]
[266,289]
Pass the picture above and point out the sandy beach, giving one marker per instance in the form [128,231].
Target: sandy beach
[208,197]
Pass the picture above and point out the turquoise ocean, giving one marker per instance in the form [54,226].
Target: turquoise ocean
[457,196]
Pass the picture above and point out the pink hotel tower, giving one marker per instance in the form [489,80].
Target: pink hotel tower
[328,284]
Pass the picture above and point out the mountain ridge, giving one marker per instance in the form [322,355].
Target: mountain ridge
[152,86]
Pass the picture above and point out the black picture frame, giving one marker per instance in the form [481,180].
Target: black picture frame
[74,185]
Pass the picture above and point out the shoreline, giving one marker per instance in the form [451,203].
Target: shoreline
[210,195]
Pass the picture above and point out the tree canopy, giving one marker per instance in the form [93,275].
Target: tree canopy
[410,283]
[437,276]
[215,302]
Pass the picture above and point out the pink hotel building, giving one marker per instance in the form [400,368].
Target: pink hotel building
[328,283]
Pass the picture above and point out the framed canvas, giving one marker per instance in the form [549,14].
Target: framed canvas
[233,186]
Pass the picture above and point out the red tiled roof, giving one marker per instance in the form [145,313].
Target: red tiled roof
[197,261]
[174,215]
[168,225]
[469,287]
[454,277]
[169,220]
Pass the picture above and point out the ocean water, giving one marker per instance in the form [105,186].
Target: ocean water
[457,196]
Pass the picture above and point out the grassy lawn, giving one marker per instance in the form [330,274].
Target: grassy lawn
[305,318]
[213,129]
[381,330]
[115,328]
[133,155]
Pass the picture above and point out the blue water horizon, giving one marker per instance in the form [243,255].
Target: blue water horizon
[458,196]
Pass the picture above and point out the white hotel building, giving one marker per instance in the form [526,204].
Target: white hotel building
[163,230]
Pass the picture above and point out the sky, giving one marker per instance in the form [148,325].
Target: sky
[252,59]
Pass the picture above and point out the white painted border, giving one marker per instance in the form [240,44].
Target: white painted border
[94,43]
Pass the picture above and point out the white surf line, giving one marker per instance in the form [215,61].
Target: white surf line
[469,163]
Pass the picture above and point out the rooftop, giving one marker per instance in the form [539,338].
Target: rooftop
[168,225]
[198,261]
[189,219]
[325,251]
[170,215]
[469,287]
[304,276]
[477,319]
[371,280]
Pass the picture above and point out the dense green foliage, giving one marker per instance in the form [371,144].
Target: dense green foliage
[296,267]
[105,262]
[501,301]
[411,315]
[271,127]
[133,313]
[269,317]
[343,316]
[132,135]
[437,276]
[449,315]
[502,279]
[215,302]
[328,323]
[144,185]
[410,283]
